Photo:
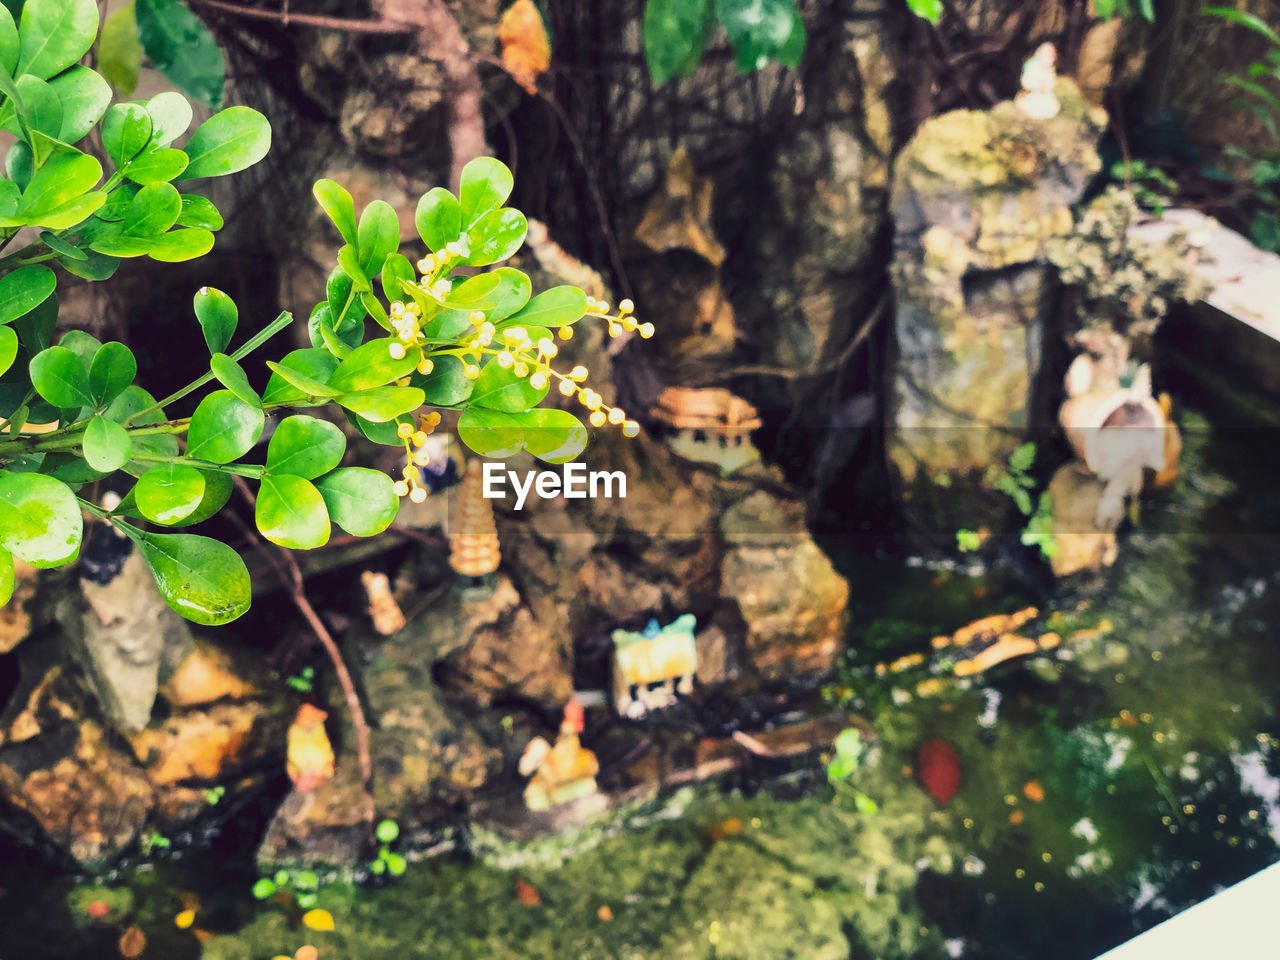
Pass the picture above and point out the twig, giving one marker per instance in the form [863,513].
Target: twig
[754,746]
[287,19]
[291,576]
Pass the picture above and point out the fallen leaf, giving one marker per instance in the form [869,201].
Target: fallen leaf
[132,942]
[1033,791]
[527,893]
[318,920]
[731,827]
[605,914]
[1015,817]
[184,919]
[306,952]
[97,909]
[526,49]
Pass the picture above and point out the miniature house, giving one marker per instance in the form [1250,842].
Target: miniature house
[711,425]
[651,667]
[474,552]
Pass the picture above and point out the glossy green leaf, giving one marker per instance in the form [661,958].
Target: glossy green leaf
[382,403]
[362,502]
[555,436]
[223,428]
[305,446]
[54,34]
[63,179]
[340,294]
[758,29]
[500,389]
[496,236]
[438,218]
[199,212]
[106,445]
[509,296]
[60,377]
[384,432]
[8,41]
[85,96]
[485,185]
[6,558]
[154,210]
[120,51]
[227,142]
[37,110]
[35,328]
[312,366]
[369,300]
[169,492]
[8,352]
[19,164]
[338,341]
[491,433]
[371,365]
[218,316]
[40,520]
[792,51]
[337,204]
[931,10]
[83,344]
[182,48]
[126,130]
[217,491]
[557,307]
[61,247]
[290,512]
[395,270]
[447,384]
[473,292]
[128,407]
[675,35]
[70,213]
[202,579]
[25,289]
[112,368]
[156,166]
[377,236]
[231,375]
[181,244]
[171,115]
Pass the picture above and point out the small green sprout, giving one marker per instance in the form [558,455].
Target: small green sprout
[842,767]
[303,680]
[387,862]
[214,795]
[304,885]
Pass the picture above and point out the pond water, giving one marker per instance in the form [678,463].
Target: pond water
[1104,787]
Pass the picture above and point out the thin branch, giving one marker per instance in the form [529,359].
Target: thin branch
[307,19]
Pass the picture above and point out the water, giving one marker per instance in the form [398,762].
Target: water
[1104,788]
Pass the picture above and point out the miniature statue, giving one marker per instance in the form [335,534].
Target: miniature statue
[1037,99]
[474,553]
[384,611]
[562,772]
[712,426]
[651,667]
[309,754]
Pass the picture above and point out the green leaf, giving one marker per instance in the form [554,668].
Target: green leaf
[557,307]
[199,212]
[61,247]
[8,42]
[54,34]
[501,389]
[36,109]
[438,219]
[361,501]
[40,520]
[931,10]
[496,236]
[170,118]
[263,888]
[223,428]
[371,365]
[473,292]
[377,237]
[25,289]
[864,804]
[555,436]
[154,210]
[382,403]
[69,214]
[84,96]
[305,446]
[491,433]
[447,384]
[336,202]
[64,178]
[169,492]
[6,558]
[675,35]
[848,745]
[396,864]
[383,433]
[231,375]
[120,52]
[112,369]
[203,579]
[290,512]
[228,142]
[386,831]
[132,401]
[106,445]
[60,377]
[1252,21]
[182,48]
[311,366]
[758,29]
[792,51]
[350,264]
[217,491]
[126,130]
[485,185]
[218,316]
[8,353]
[395,270]
[156,166]
[509,295]
[181,244]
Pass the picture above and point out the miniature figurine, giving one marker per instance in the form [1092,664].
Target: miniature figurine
[385,613]
[474,553]
[1037,99]
[562,772]
[651,667]
[712,426]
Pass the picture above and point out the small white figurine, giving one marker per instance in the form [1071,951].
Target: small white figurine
[1038,77]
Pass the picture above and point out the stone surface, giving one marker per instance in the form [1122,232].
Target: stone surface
[977,196]
[1083,545]
[209,672]
[208,746]
[15,622]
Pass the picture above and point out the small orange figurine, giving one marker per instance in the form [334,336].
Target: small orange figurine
[562,772]
[309,754]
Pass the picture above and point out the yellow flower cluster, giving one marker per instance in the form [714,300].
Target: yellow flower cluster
[415,458]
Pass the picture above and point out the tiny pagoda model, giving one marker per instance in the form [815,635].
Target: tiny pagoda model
[563,772]
[710,424]
[651,667]
[474,553]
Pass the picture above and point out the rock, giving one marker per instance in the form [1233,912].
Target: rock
[1082,545]
[122,640]
[789,595]
[209,745]
[15,622]
[399,112]
[209,672]
[977,198]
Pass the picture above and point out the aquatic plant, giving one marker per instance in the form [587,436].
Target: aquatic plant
[302,885]
[1016,482]
[394,864]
